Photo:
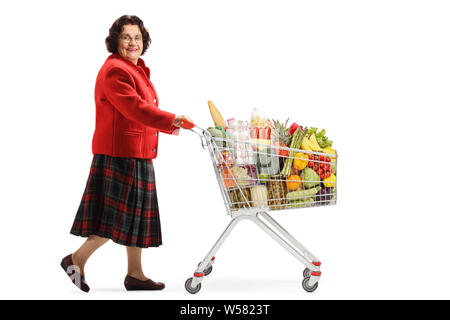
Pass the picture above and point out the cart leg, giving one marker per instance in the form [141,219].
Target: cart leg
[298,250]
[296,253]
[306,253]
[198,275]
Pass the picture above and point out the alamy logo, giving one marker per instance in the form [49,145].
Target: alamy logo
[75,275]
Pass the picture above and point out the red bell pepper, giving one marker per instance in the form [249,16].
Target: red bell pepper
[294,127]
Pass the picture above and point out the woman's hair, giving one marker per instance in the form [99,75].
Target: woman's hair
[113,38]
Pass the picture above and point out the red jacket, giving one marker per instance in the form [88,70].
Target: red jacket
[128,120]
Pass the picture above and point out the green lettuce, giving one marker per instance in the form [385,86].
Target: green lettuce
[322,140]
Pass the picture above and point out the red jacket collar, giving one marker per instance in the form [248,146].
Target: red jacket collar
[140,62]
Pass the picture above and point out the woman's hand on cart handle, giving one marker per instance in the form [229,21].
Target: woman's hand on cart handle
[183,122]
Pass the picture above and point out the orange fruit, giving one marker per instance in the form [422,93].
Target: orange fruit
[293,182]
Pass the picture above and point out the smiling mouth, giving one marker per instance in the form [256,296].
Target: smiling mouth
[132,49]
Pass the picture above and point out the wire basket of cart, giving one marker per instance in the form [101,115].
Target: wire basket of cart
[255,178]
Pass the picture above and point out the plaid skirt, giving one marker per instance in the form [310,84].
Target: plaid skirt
[120,202]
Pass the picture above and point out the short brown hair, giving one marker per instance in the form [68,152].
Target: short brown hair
[113,38]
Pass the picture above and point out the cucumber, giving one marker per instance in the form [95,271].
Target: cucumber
[302,194]
[300,203]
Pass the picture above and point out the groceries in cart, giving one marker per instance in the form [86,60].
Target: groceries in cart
[273,164]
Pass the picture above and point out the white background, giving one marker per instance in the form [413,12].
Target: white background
[374,74]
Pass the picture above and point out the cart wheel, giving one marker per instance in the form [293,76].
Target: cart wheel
[187,286]
[207,271]
[306,273]
[307,287]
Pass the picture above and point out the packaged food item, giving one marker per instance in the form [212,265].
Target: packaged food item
[237,197]
[260,129]
[240,135]
[240,174]
[259,195]
[228,178]
[258,118]
[224,159]
[267,161]
[252,172]
[276,192]
[231,127]
[230,122]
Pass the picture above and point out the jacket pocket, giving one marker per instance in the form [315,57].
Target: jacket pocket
[131,132]
[129,142]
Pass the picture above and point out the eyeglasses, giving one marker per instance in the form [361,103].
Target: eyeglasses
[128,39]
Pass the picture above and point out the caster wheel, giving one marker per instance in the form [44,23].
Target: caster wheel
[207,271]
[306,273]
[187,286]
[306,286]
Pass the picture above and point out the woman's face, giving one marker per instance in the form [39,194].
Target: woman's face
[130,43]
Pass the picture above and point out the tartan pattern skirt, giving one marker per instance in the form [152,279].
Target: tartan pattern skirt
[120,202]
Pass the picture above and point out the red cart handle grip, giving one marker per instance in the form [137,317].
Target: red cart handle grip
[186,124]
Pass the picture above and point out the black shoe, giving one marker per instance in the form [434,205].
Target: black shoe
[136,284]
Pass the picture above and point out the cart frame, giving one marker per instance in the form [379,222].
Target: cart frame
[264,221]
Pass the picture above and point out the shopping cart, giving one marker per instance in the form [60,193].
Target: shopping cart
[254,185]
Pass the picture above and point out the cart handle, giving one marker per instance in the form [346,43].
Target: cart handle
[185,124]
[202,133]
[188,125]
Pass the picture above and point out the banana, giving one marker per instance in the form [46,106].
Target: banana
[329,150]
[306,144]
[314,143]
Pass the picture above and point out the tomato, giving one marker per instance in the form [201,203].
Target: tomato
[328,159]
[322,165]
[281,152]
[327,167]
[321,171]
[316,167]
[327,174]
[322,158]
[310,164]
[322,176]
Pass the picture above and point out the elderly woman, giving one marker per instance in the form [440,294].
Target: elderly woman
[120,201]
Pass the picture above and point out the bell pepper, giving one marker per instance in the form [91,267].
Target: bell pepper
[294,127]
